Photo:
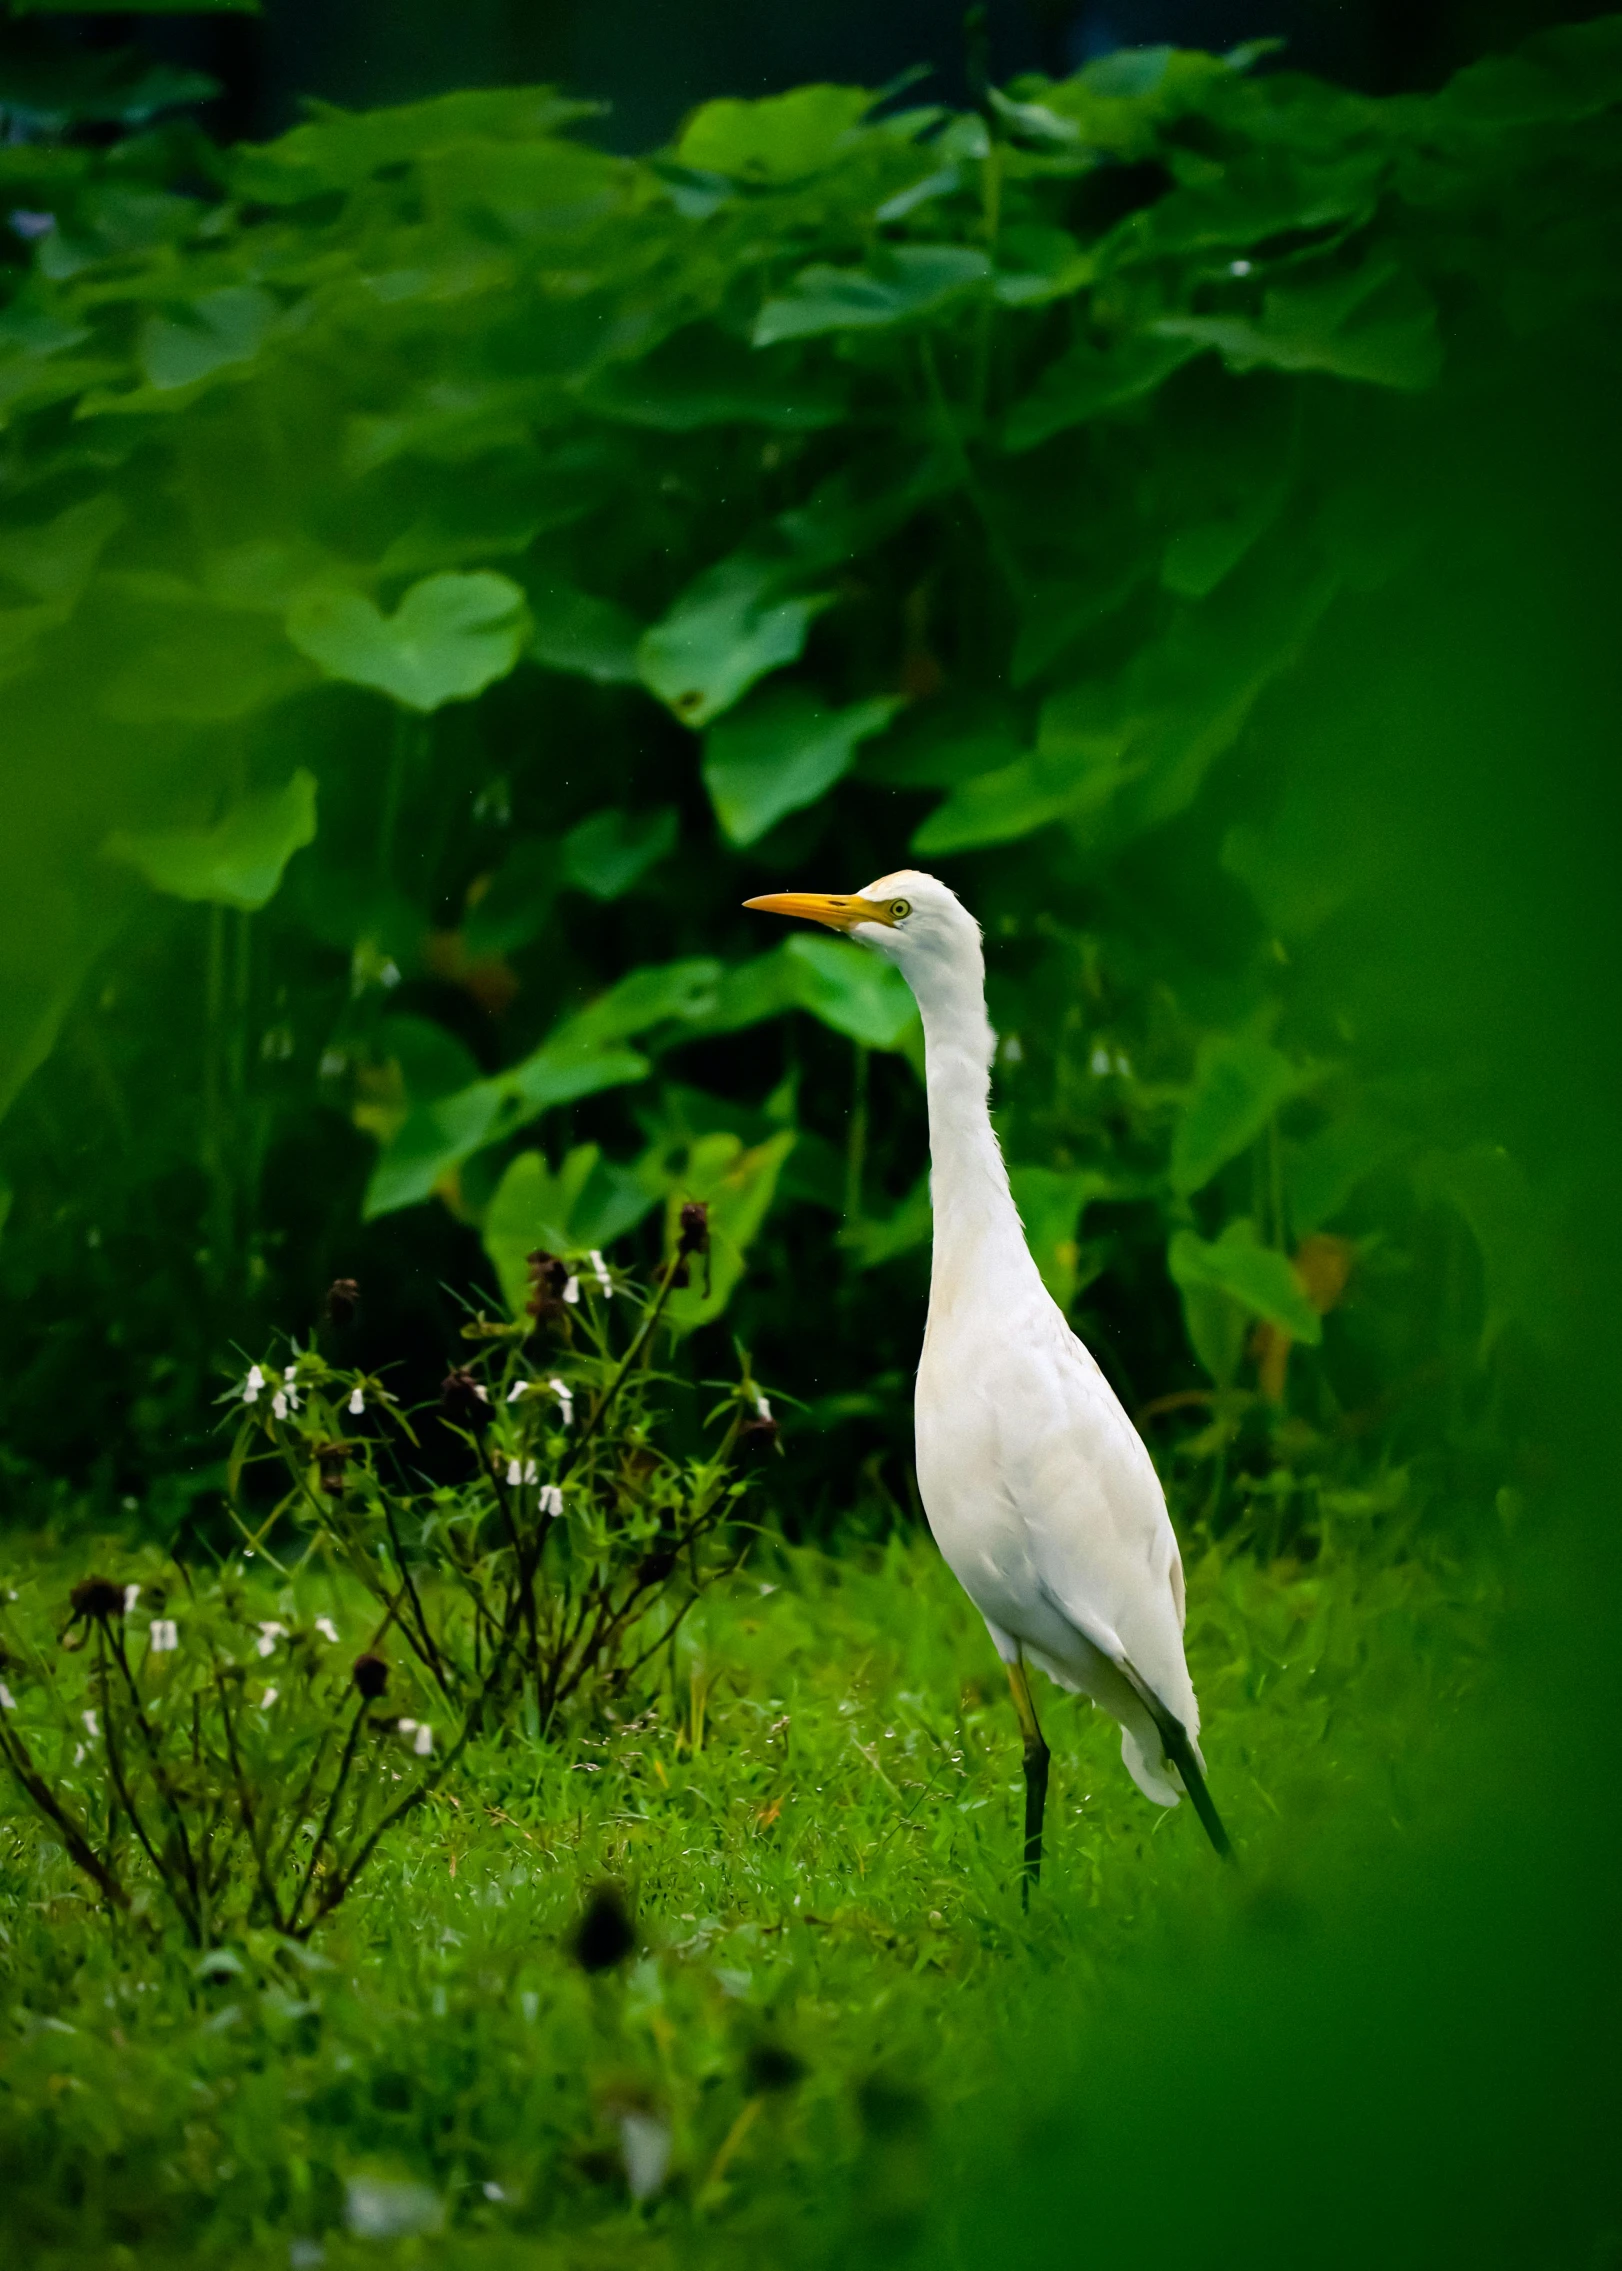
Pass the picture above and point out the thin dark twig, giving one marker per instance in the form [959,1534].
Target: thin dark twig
[333,1799]
[159,1773]
[80,1851]
[245,1803]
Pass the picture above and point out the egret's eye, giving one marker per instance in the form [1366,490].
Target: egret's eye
[900,909]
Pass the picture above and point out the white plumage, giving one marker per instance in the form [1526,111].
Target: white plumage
[1037,1486]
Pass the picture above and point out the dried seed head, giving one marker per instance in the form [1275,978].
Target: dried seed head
[333,1460]
[655,1567]
[462,1399]
[757,1436]
[604,1935]
[548,1284]
[694,1236]
[96,1597]
[371,1676]
[343,1301]
[769,2067]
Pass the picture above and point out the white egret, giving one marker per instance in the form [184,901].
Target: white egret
[1037,1486]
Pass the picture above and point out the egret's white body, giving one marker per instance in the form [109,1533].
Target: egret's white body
[1038,1488]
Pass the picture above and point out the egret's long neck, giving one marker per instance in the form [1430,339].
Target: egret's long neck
[979,1247]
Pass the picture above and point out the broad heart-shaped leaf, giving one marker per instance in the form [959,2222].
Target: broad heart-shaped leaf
[738,1186]
[702,378]
[239,862]
[662,993]
[1239,1082]
[728,628]
[613,849]
[53,560]
[876,1240]
[781,752]
[852,990]
[576,631]
[1259,1278]
[1017,799]
[1321,1174]
[1377,325]
[589,1202]
[783,138]
[902,283]
[450,637]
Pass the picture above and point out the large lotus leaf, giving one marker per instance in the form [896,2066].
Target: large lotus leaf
[1051,1201]
[1259,1278]
[783,138]
[662,993]
[1321,1174]
[737,1185]
[338,148]
[899,285]
[702,378]
[1239,1082]
[1015,800]
[883,1238]
[852,990]
[576,631]
[730,627]
[783,751]
[239,862]
[450,637]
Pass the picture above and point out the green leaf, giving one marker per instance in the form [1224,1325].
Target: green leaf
[1050,1202]
[53,560]
[516,903]
[588,1203]
[1087,380]
[1017,799]
[729,628]
[1321,1174]
[198,337]
[238,863]
[900,284]
[750,992]
[1036,264]
[878,1239]
[781,752]
[784,138]
[338,149]
[662,993]
[1259,1278]
[702,378]
[614,849]
[852,990]
[1377,325]
[1239,1082]
[738,1186]
[450,637]
[1489,1187]
[576,631]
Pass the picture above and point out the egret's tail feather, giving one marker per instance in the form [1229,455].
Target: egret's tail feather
[1181,1753]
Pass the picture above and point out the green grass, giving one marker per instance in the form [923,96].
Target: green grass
[815,1817]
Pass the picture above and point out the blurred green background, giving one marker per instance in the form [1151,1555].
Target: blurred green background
[449,563]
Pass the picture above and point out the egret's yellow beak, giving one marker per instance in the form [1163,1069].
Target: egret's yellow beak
[839,911]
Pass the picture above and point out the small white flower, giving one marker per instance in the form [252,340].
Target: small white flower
[278,1405]
[762,1406]
[268,1698]
[132,1593]
[481,1391]
[1123,1066]
[603,1278]
[406,1726]
[1239,268]
[550,1500]
[290,1376]
[8,1702]
[389,975]
[92,1725]
[333,1062]
[424,1742]
[493,2191]
[532,1473]
[252,1385]
[645,2150]
[520,1472]
[565,1396]
[518,1390]
[163,1635]
[1098,1064]
[78,1754]
[269,1634]
[357,1404]
[571,1292]
[327,1629]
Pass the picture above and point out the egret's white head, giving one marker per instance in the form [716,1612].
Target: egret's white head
[914,921]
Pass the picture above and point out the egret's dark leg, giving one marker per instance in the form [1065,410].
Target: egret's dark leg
[1036,1778]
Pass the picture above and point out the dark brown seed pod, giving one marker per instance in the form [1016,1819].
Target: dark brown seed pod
[655,1567]
[548,1278]
[757,1436]
[768,2067]
[97,1597]
[462,1399]
[333,1461]
[694,1234]
[371,1676]
[343,1301]
[604,1936]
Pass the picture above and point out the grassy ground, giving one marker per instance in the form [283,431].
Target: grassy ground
[815,1821]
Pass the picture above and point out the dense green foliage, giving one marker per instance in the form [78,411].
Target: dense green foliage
[445,567]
